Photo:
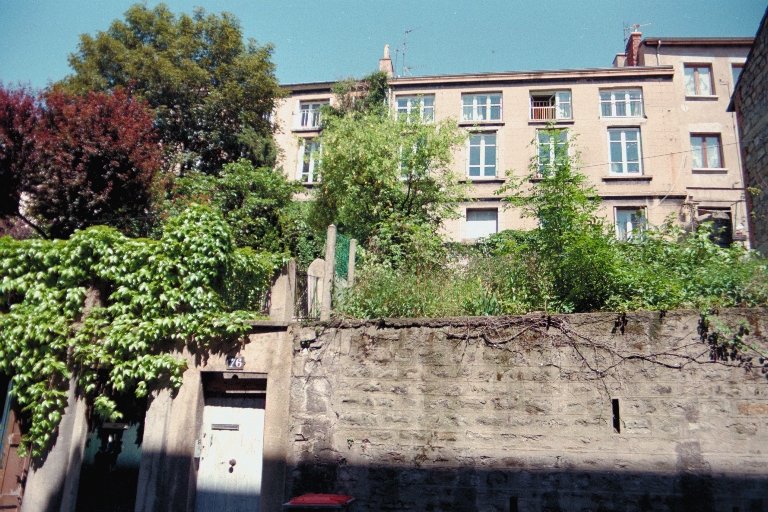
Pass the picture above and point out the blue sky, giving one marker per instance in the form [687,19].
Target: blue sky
[324,40]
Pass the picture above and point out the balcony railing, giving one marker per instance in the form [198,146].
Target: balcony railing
[542,111]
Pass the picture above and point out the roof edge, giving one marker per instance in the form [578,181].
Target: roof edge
[699,41]
[630,71]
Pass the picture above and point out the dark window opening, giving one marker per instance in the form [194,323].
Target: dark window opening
[513,504]
[722,225]
[616,417]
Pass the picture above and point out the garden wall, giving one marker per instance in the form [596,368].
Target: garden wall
[646,411]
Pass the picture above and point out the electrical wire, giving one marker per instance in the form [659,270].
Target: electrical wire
[677,152]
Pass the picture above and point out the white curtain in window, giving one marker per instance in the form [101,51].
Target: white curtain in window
[697,153]
[705,82]
[563,103]
[690,81]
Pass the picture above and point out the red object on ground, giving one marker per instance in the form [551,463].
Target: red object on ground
[310,499]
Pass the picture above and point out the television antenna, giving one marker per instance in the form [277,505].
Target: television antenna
[405,70]
[628,29]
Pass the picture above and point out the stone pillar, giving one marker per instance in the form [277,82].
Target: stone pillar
[330,271]
[315,274]
[53,480]
[351,266]
[283,293]
[168,473]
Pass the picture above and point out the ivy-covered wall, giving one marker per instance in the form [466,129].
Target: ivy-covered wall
[648,411]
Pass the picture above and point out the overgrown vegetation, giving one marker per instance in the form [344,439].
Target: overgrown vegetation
[380,171]
[571,262]
[190,289]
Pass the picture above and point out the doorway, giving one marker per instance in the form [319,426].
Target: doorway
[231,445]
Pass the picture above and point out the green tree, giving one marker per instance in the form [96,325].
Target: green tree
[253,201]
[376,168]
[213,93]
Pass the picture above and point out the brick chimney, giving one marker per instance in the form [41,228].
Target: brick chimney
[633,48]
[385,64]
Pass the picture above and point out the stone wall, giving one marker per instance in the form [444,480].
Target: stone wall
[751,101]
[518,413]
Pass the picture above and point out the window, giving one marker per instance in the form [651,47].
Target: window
[698,80]
[423,105]
[624,151]
[629,220]
[482,155]
[552,144]
[548,106]
[736,70]
[481,223]
[627,103]
[481,107]
[309,153]
[309,114]
[707,152]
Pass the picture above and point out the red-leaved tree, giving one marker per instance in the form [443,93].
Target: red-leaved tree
[96,157]
[19,113]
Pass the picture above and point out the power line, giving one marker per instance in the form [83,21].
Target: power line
[677,152]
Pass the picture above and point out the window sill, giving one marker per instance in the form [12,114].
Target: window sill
[309,184]
[702,97]
[302,129]
[624,119]
[627,178]
[548,121]
[480,124]
[481,179]
[710,170]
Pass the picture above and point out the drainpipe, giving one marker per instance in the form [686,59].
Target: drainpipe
[658,45]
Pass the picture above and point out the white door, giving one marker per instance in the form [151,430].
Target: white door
[229,476]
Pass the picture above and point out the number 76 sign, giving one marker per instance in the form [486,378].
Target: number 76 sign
[235,362]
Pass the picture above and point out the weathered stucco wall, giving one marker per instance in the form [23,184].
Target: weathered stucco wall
[516,413]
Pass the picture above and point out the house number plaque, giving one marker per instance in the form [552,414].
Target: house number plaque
[235,362]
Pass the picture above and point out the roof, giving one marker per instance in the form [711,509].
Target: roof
[634,72]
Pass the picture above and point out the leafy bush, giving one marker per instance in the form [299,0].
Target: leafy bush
[187,289]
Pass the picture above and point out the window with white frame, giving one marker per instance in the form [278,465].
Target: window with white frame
[551,145]
[482,223]
[309,158]
[629,221]
[481,161]
[309,114]
[698,80]
[707,151]
[551,106]
[423,105]
[625,151]
[481,107]
[621,103]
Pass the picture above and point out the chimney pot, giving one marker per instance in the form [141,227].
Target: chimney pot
[385,64]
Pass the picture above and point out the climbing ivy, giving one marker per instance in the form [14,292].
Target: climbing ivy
[190,289]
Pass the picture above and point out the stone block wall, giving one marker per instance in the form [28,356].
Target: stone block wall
[520,413]
[751,101]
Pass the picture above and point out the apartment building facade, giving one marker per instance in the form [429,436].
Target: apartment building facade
[652,133]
